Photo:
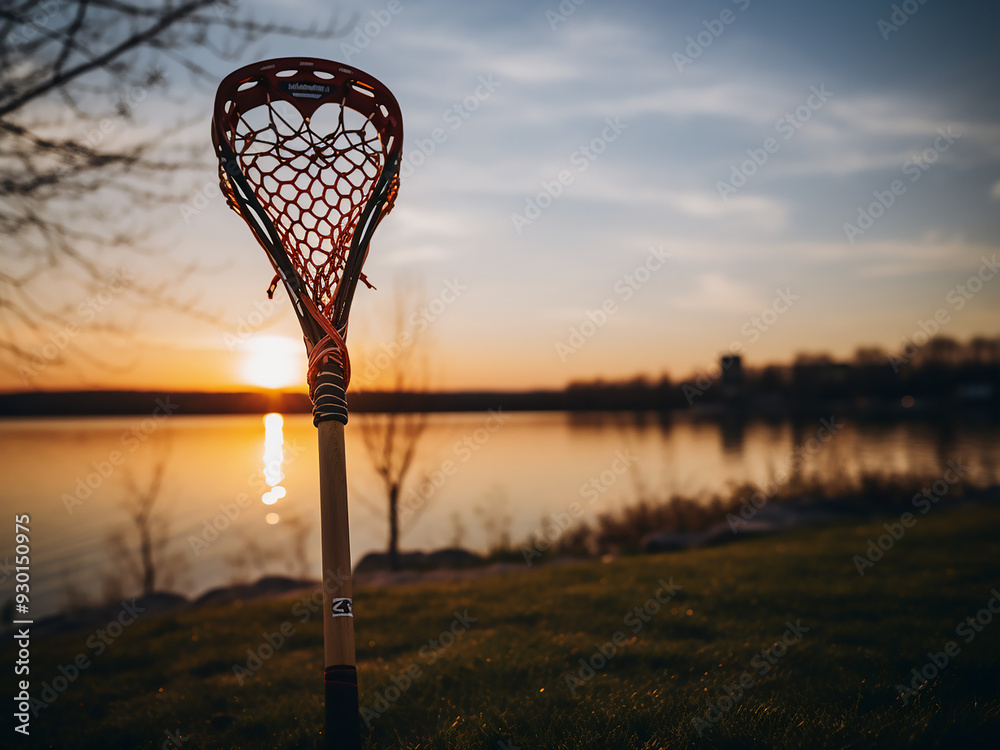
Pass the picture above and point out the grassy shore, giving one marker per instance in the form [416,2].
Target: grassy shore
[811,652]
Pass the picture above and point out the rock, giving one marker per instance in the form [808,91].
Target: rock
[671,541]
[450,557]
[269,586]
[160,601]
[156,603]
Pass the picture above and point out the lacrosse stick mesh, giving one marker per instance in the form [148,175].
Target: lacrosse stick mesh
[313,186]
[309,155]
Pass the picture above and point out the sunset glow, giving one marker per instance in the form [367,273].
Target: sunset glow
[727,177]
[273,362]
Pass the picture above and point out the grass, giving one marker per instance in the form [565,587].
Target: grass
[866,495]
[502,683]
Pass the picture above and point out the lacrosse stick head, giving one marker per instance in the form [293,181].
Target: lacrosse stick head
[309,154]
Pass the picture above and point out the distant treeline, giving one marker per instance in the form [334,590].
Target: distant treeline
[93,403]
[942,374]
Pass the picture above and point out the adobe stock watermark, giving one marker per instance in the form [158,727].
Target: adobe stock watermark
[201,199]
[265,650]
[303,610]
[749,507]
[579,160]
[369,29]
[463,450]
[39,18]
[124,102]
[901,13]
[247,325]
[206,195]
[553,528]
[562,13]
[86,313]
[416,323]
[967,630]
[914,167]
[698,43]
[7,569]
[757,325]
[922,501]
[454,117]
[958,297]
[174,739]
[635,620]
[99,642]
[752,329]
[212,528]
[130,442]
[428,653]
[762,663]
[787,126]
[622,291]
[598,485]
[225,8]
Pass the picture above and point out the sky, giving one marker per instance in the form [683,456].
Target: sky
[619,189]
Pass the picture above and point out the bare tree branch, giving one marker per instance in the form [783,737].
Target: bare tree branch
[391,439]
[147,564]
[85,182]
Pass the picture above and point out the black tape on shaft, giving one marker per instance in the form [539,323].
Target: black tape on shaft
[343,726]
[329,397]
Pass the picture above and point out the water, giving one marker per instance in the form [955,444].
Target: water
[238,498]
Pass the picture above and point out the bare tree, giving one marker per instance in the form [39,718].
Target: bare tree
[870,355]
[984,350]
[495,519]
[391,437]
[81,176]
[942,350]
[146,563]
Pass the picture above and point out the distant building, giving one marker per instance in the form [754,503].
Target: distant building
[732,375]
[732,369]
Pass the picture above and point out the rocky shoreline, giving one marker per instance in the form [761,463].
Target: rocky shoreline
[455,564]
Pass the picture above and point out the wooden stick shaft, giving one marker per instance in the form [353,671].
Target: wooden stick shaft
[343,729]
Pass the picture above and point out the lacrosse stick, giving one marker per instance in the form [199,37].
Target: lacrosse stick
[309,154]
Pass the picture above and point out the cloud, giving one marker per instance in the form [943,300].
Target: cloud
[861,134]
[763,212]
[713,292]
[737,101]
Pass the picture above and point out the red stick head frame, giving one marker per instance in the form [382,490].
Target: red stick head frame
[309,154]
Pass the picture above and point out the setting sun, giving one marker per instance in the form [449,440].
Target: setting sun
[273,362]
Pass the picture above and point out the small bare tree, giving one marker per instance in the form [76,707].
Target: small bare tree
[145,563]
[495,519]
[391,437]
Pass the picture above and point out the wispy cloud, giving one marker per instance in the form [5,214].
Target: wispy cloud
[716,293]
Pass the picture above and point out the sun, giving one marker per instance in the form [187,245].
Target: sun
[273,362]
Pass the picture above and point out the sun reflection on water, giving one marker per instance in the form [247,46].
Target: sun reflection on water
[273,456]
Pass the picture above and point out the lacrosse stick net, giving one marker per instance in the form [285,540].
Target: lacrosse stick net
[309,154]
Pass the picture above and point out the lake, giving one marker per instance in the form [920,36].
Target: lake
[239,494]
